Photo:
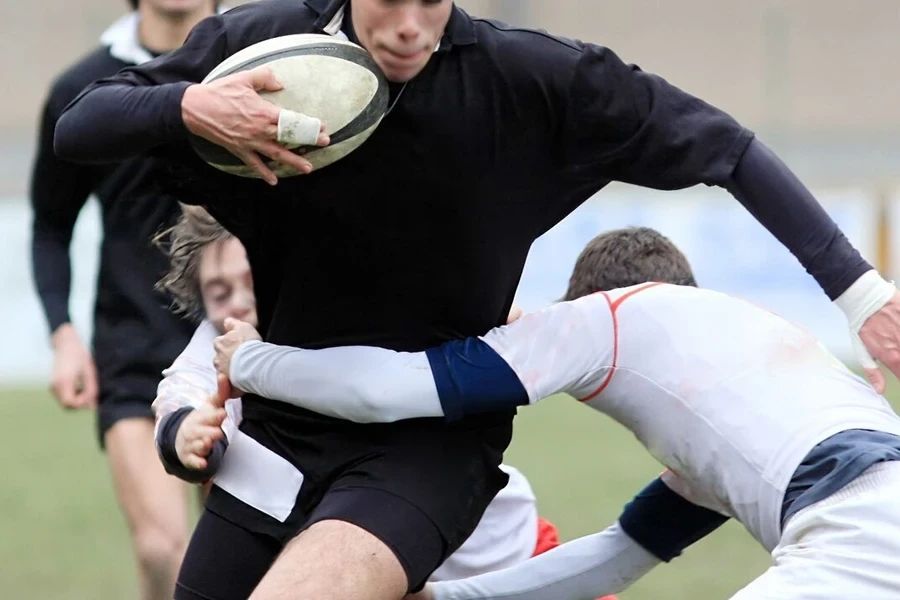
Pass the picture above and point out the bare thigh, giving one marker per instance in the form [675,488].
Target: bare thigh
[334,560]
[155,503]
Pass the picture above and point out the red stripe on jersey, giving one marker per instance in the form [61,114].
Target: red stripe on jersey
[613,308]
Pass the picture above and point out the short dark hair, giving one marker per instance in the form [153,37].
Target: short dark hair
[184,244]
[626,257]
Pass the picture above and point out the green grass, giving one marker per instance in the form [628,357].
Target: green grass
[62,537]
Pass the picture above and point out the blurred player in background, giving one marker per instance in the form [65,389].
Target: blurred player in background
[210,279]
[754,418]
[135,336]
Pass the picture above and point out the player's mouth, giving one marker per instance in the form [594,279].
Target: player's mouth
[403,58]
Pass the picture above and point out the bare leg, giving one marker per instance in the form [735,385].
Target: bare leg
[154,504]
[334,560]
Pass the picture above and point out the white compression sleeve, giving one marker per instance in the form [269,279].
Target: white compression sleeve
[191,378]
[595,565]
[357,383]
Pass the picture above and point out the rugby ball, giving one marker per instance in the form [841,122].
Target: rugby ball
[324,77]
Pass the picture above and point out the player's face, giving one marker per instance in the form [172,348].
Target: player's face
[400,34]
[226,284]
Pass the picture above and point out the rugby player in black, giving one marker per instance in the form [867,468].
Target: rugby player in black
[419,236]
[135,335]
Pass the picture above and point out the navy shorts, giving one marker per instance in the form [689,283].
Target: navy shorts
[112,409]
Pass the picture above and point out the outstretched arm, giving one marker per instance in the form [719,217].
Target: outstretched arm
[589,567]
[654,527]
[510,366]
[356,383]
[783,205]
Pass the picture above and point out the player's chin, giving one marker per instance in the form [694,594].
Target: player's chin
[180,8]
[401,71]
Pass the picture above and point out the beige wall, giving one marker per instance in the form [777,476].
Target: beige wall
[809,64]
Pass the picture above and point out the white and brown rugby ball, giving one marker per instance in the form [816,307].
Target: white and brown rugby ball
[324,77]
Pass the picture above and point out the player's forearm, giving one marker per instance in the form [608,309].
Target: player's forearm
[191,378]
[596,565]
[114,120]
[665,523]
[139,108]
[784,206]
[166,434]
[180,388]
[52,272]
[355,383]
[457,379]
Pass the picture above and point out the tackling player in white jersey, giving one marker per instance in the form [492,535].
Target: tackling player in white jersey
[752,417]
[210,276]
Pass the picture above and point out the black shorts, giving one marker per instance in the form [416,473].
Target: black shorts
[419,486]
[113,408]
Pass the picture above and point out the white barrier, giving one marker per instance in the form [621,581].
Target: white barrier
[728,249]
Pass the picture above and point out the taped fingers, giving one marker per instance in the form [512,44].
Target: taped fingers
[297,129]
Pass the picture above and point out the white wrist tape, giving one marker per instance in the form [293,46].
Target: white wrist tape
[868,294]
[297,129]
[864,298]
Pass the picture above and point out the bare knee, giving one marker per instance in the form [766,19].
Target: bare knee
[334,560]
[159,552]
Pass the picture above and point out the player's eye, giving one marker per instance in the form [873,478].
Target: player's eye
[218,294]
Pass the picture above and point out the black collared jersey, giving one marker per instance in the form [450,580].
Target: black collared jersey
[421,234]
[135,333]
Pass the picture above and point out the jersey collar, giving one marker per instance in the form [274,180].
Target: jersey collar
[460,29]
[123,42]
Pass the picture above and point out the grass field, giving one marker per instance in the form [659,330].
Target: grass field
[62,537]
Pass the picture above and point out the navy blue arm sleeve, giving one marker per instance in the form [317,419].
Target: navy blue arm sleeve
[471,378]
[783,205]
[165,441]
[664,523]
[139,109]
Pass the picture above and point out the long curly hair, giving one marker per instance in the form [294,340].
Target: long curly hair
[184,243]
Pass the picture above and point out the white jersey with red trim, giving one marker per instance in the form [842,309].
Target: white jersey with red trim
[728,396]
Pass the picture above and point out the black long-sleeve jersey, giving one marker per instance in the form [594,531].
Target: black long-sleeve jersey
[135,333]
